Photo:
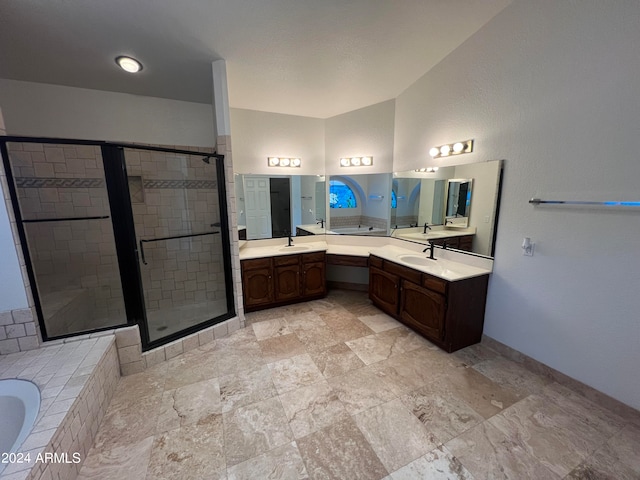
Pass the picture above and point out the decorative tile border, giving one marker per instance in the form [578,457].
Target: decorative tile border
[188,184]
[33,182]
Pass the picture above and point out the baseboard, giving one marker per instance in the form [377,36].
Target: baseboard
[358,287]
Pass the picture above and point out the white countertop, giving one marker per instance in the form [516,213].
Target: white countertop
[433,234]
[439,267]
[312,228]
[449,265]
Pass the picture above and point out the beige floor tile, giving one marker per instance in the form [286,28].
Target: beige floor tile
[396,435]
[318,338]
[487,454]
[255,429]
[336,360]
[126,461]
[311,408]
[129,424]
[192,452]
[381,346]
[443,414]
[239,358]
[189,404]
[361,389]
[338,452]
[295,372]
[512,375]
[379,322]
[281,463]
[552,435]
[270,328]
[240,389]
[278,348]
[438,464]
[186,369]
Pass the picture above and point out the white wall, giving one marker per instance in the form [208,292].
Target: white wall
[12,292]
[364,132]
[551,86]
[255,136]
[42,110]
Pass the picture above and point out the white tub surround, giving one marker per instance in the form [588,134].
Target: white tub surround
[76,379]
[363,230]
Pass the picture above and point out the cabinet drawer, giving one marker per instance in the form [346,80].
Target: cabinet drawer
[313,257]
[403,272]
[434,283]
[286,260]
[254,263]
[347,260]
[375,261]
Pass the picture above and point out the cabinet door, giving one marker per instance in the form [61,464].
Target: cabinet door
[287,282]
[383,290]
[313,279]
[423,309]
[257,286]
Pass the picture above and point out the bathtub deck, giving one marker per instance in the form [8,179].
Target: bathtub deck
[76,381]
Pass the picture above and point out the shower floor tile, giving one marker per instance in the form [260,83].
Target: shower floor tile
[374,402]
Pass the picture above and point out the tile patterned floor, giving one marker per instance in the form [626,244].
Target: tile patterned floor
[333,389]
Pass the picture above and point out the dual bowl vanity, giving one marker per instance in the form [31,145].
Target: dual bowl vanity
[443,299]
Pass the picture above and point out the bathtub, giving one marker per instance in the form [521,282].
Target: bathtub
[19,404]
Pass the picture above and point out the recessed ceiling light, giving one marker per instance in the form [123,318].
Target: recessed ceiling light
[129,64]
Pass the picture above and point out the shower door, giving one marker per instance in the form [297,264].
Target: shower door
[178,217]
[65,224]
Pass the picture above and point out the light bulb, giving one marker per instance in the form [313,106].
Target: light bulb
[344,162]
[444,150]
[458,147]
[367,160]
[273,161]
[285,162]
[129,64]
[434,151]
[355,161]
[295,162]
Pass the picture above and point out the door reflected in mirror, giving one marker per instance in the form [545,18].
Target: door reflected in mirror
[458,202]
[274,206]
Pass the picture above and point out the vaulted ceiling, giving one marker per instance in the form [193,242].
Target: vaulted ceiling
[314,58]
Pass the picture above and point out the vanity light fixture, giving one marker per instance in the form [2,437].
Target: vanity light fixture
[456,148]
[283,162]
[427,169]
[128,64]
[356,162]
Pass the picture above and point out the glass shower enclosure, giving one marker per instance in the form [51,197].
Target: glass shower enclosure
[117,235]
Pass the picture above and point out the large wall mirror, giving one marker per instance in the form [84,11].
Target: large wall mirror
[273,206]
[359,204]
[454,202]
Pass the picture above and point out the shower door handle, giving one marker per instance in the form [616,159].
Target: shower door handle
[144,260]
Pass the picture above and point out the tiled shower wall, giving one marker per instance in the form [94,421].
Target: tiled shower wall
[74,261]
[175,194]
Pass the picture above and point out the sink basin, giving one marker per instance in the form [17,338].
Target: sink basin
[294,248]
[418,260]
[425,236]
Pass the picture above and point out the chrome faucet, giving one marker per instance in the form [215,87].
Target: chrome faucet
[430,248]
[426,227]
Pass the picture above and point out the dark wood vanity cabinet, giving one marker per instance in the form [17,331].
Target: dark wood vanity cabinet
[464,242]
[273,281]
[449,314]
[384,290]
